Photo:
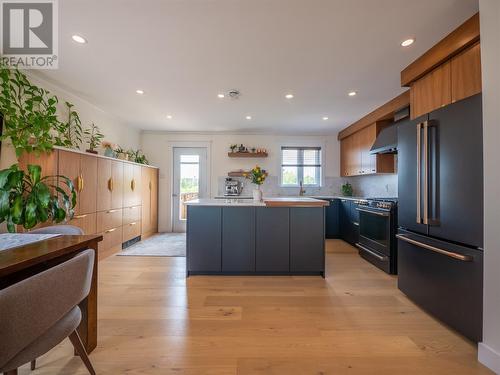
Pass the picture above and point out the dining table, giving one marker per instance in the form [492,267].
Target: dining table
[29,257]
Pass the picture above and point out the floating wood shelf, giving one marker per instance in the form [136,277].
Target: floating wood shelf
[247,154]
[237,173]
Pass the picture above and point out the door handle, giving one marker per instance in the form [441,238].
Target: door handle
[451,254]
[372,253]
[419,171]
[426,172]
[373,212]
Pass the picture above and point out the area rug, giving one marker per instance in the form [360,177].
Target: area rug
[159,245]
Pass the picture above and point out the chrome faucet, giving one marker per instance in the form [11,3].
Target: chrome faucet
[302,191]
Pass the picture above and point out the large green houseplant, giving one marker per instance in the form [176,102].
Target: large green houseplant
[28,199]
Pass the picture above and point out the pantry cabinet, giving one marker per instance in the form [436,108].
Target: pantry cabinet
[113,196]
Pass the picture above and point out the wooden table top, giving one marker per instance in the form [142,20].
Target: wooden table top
[295,202]
[19,258]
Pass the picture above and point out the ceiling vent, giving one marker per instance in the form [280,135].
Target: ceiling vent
[234,94]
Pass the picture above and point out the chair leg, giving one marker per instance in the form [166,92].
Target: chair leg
[33,364]
[80,349]
[11,372]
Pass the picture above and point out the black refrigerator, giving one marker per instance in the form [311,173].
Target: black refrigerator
[440,214]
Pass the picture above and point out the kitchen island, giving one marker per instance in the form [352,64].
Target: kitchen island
[278,236]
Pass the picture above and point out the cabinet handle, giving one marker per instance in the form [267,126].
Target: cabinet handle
[355,223]
[134,223]
[81,182]
[111,211]
[149,185]
[110,184]
[132,184]
[463,258]
[379,257]
[110,230]
[79,216]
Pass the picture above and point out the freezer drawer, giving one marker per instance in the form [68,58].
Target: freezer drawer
[444,279]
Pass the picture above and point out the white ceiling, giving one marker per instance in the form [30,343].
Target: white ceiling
[182,53]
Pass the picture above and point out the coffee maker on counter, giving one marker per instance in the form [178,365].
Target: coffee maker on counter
[232,188]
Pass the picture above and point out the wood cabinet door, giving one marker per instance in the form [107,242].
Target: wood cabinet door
[431,92]
[69,166]
[136,185]
[466,73]
[367,138]
[88,193]
[154,199]
[128,176]
[117,184]
[104,184]
[344,144]
[146,199]
[354,155]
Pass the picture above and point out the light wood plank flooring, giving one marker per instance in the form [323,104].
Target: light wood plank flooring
[153,321]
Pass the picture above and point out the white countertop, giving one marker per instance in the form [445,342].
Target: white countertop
[266,202]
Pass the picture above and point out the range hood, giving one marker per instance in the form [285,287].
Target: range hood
[386,142]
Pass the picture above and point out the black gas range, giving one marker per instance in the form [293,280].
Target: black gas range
[377,232]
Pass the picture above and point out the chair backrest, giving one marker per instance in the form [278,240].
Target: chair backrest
[59,229]
[32,306]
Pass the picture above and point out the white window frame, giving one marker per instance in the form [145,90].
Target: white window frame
[321,146]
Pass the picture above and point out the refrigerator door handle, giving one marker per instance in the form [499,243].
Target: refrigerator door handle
[419,171]
[426,172]
[451,254]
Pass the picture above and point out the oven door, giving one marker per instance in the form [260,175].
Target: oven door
[375,230]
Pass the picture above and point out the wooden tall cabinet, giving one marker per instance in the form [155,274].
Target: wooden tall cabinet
[149,201]
[110,195]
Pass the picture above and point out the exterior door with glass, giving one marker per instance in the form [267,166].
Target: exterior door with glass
[190,181]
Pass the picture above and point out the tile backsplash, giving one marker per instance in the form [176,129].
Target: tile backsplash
[364,186]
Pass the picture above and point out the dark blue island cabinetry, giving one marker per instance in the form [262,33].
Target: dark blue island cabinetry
[255,240]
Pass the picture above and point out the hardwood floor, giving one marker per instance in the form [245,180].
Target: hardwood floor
[153,321]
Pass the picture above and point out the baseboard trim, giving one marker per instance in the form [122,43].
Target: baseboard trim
[489,357]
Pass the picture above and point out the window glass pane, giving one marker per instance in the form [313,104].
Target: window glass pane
[312,157]
[290,176]
[311,175]
[190,158]
[290,157]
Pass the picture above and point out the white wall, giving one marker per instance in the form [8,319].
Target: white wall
[110,126]
[489,349]
[158,149]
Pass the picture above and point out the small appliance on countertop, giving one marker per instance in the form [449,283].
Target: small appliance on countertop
[232,187]
[377,232]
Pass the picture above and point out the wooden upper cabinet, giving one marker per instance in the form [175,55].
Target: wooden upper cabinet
[356,159]
[104,184]
[117,184]
[82,171]
[109,184]
[88,189]
[466,73]
[431,92]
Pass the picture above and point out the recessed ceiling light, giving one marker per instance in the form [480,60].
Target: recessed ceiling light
[352,93]
[221,96]
[407,42]
[79,39]
[248,117]
[289,96]
[169,117]
[325,118]
[140,92]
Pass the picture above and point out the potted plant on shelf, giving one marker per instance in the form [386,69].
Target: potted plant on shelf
[138,157]
[28,199]
[121,153]
[233,148]
[93,137]
[108,149]
[257,176]
[29,113]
